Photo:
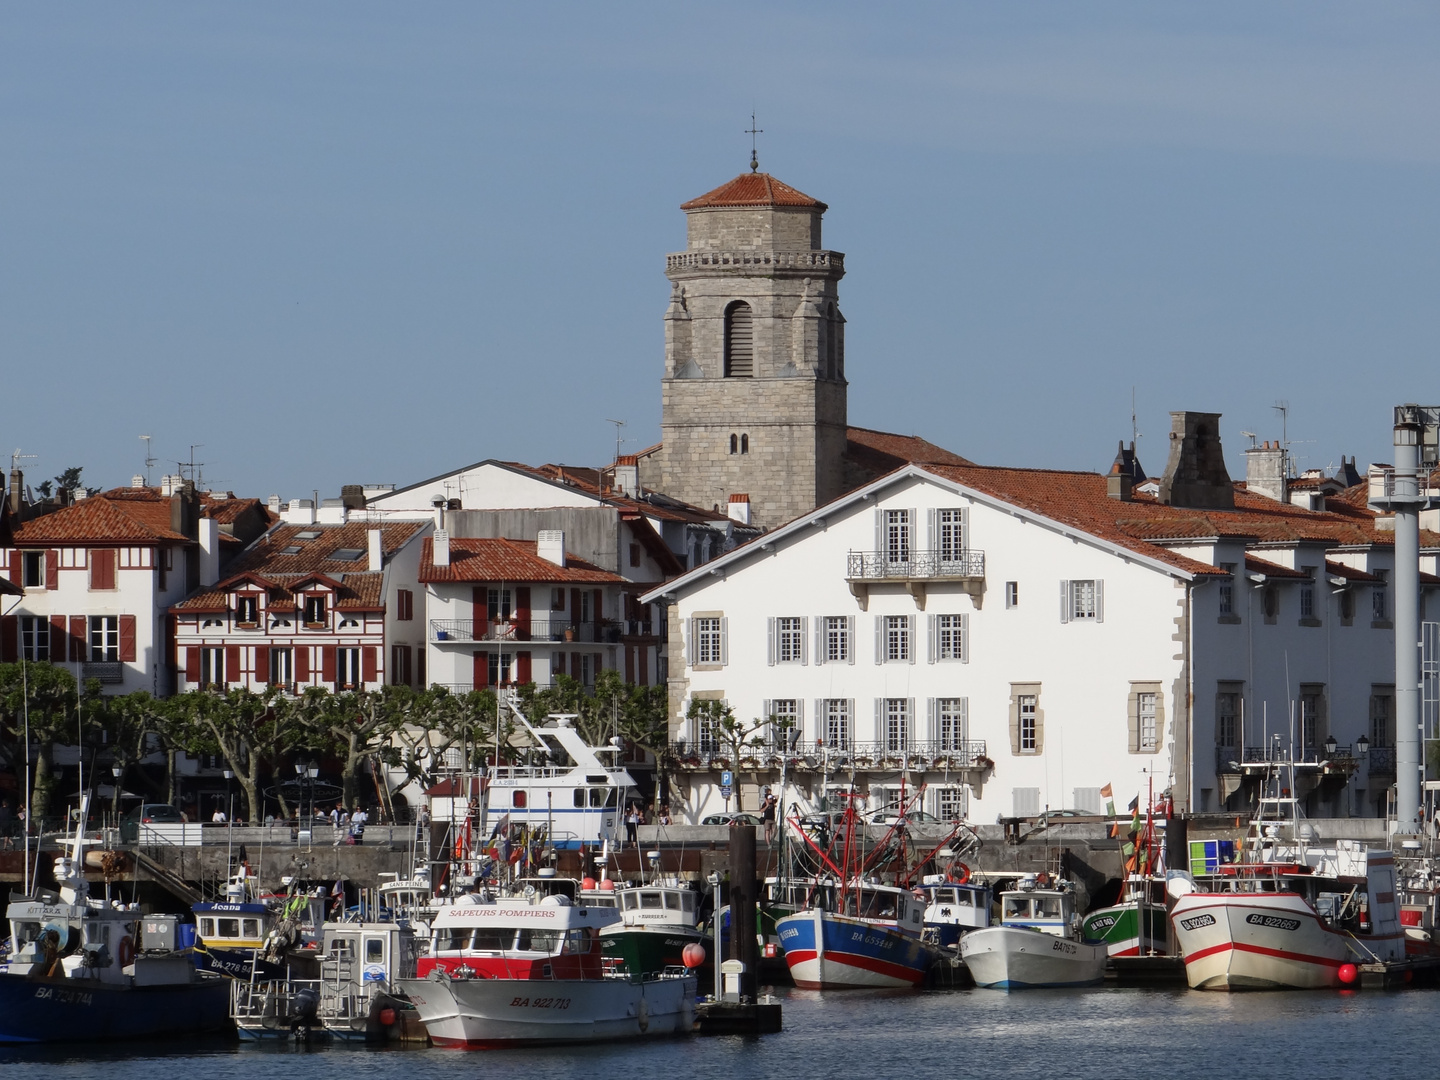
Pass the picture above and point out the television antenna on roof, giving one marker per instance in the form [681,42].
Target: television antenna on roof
[149,459]
[618,425]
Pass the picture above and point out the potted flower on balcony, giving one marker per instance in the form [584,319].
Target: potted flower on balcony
[983,762]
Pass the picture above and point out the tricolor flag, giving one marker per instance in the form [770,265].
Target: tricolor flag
[1108,794]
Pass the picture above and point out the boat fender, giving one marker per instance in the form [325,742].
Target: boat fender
[960,874]
[126,951]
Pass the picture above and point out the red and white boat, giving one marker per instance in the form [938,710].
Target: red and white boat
[1290,914]
[527,971]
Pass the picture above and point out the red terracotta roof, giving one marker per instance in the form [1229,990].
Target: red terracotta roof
[754,189]
[1349,573]
[106,518]
[505,560]
[880,452]
[1274,570]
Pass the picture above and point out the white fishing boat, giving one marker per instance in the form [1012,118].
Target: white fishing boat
[527,971]
[1291,913]
[1037,943]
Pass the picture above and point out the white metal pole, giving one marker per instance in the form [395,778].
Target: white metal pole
[1406,501]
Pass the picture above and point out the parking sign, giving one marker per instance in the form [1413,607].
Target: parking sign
[726,779]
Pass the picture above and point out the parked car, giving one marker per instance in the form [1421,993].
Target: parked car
[147,814]
[731,818]
[890,814]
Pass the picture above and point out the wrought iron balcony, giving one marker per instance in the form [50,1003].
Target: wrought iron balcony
[932,756]
[103,672]
[1381,760]
[514,630]
[915,571]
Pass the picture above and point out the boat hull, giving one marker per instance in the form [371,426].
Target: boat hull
[483,1014]
[36,1010]
[1015,958]
[1257,941]
[648,950]
[1128,929]
[825,951]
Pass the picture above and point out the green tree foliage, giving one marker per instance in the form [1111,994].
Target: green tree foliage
[42,699]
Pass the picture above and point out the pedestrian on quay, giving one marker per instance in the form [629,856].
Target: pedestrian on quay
[422,819]
[632,825]
[767,815]
[664,813]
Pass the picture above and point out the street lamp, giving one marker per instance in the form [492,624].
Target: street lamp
[1330,746]
[229,797]
[1362,746]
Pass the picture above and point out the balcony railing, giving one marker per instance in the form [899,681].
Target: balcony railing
[103,672]
[924,565]
[746,260]
[467,630]
[1382,760]
[541,683]
[877,756]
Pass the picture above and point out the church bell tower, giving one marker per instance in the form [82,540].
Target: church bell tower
[754,392]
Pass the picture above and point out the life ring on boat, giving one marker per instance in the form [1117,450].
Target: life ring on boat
[126,951]
[959,876]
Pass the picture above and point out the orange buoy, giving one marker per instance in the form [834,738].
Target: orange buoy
[693,955]
[1348,973]
[587,883]
[387,1017]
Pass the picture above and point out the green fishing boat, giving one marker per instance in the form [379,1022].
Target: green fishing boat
[657,921]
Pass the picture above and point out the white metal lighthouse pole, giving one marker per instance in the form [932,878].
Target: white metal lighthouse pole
[1406,497]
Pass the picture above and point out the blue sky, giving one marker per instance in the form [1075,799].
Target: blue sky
[355,243]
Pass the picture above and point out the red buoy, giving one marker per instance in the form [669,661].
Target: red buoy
[387,1017]
[587,883]
[693,955]
[1348,974]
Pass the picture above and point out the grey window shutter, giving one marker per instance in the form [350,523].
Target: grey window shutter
[964,720]
[1064,601]
[804,639]
[1133,721]
[880,720]
[724,641]
[932,638]
[879,532]
[913,520]
[932,529]
[770,642]
[849,722]
[964,639]
[819,639]
[1099,596]
[930,723]
[693,643]
[964,528]
[799,718]
[879,639]
[910,637]
[767,709]
[850,639]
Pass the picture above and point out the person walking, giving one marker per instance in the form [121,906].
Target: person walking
[632,825]
[767,816]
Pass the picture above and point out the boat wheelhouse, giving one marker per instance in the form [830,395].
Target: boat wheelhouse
[1036,944]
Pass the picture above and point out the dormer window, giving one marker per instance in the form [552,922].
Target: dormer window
[247,611]
[315,610]
[739,342]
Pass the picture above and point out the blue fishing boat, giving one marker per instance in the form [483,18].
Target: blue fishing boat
[953,907]
[871,938]
[86,969]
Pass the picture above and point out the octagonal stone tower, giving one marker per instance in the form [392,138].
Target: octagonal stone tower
[754,392]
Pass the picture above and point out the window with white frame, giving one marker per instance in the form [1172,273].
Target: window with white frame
[783,722]
[1382,717]
[709,640]
[34,637]
[1307,595]
[104,638]
[895,724]
[951,724]
[247,610]
[837,721]
[1012,594]
[949,633]
[1082,600]
[950,527]
[315,609]
[836,646]
[896,645]
[897,536]
[788,640]
[1028,705]
[282,667]
[951,804]
[347,669]
[707,731]
[1312,706]
[1149,732]
[497,604]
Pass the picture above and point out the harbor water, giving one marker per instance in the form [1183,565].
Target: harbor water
[1103,1033]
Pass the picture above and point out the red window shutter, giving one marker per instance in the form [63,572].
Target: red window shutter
[369,665]
[481,675]
[479,610]
[522,614]
[57,639]
[10,638]
[522,667]
[327,663]
[262,664]
[234,670]
[596,610]
[102,568]
[302,663]
[127,638]
[192,664]
[17,566]
[77,638]
[404,605]
[52,569]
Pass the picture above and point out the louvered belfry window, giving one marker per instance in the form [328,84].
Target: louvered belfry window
[739,342]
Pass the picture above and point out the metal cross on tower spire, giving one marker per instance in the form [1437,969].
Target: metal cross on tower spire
[752,131]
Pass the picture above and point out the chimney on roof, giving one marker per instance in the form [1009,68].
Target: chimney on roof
[1195,475]
[442,548]
[17,488]
[1118,484]
[1267,470]
[137,481]
[550,545]
[209,530]
[169,485]
[627,475]
[1348,475]
[353,496]
[332,512]
[739,508]
[184,509]
[273,504]
[299,512]
[376,550]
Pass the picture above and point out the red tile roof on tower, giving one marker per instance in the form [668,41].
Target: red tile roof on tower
[474,559]
[754,189]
